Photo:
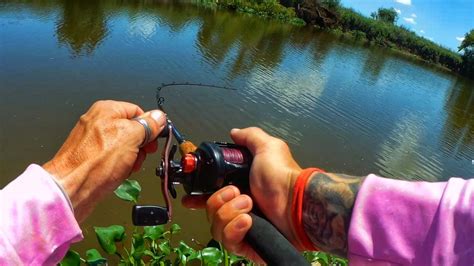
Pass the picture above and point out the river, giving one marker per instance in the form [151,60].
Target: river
[341,106]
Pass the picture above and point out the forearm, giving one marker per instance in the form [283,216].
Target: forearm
[370,219]
[327,209]
[37,224]
[413,223]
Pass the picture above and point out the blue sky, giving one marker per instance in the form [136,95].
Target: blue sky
[443,21]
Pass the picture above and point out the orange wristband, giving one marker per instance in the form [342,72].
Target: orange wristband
[297,207]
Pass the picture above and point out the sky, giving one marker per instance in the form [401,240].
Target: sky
[442,21]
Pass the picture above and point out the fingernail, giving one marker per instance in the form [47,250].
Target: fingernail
[227,195]
[241,203]
[240,224]
[234,130]
[158,117]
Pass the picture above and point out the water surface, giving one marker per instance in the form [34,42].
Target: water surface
[340,106]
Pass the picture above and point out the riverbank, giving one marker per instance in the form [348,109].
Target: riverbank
[331,17]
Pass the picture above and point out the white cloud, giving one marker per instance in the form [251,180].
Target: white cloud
[413,15]
[430,38]
[410,20]
[422,31]
[404,2]
[398,11]
[460,39]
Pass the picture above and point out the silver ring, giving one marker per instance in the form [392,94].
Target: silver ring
[144,123]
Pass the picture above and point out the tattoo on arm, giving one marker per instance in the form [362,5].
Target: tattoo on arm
[327,209]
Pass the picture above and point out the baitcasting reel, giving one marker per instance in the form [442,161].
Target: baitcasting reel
[201,170]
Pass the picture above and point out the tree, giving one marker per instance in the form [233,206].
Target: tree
[331,4]
[467,46]
[388,15]
[468,42]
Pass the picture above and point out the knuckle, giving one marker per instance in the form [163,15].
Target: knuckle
[84,119]
[255,130]
[220,215]
[279,143]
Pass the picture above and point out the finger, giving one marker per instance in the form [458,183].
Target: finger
[156,121]
[194,202]
[115,109]
[151,147]
[129,110]
[253,138]
[228,211]
[139,161]
[219,198]
[234,235]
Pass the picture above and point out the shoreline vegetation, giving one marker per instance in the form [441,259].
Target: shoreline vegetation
[378,30]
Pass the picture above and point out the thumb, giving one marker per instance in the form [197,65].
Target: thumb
[155,120]
[254,138]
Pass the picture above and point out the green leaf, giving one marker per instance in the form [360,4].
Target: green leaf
[107,237]
[185,249]
[195,256]
[211,256]
[129,190]
[154,232]
[322,258]
[72,258]
[165,247]
[175,229]
[235,259]
[93,258]
[138,246]
[339,261]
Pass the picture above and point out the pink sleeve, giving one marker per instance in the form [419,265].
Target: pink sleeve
[37,224]
[413,223]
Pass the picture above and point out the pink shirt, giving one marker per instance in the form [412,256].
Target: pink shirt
[37,224]
[393,222]
[413,223]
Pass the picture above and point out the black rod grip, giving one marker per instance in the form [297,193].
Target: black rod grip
[271,245]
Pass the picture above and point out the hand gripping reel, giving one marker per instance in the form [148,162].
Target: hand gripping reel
[204,170]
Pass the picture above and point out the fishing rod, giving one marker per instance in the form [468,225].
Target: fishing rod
[202,170]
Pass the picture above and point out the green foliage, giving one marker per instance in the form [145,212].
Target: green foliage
[153,245]
[388,15]
[72,258]
[467,46]
[271,9]
[107,236]
[129,190]
[399,37]
[467,67]
[331,4]
[93,258]
[324,259]
[468,42]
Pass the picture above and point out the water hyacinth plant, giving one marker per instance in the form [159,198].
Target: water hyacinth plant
[154,245]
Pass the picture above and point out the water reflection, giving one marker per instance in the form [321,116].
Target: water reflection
[82,25]
[255,43]
[400,155]
[458,129]
[373,66]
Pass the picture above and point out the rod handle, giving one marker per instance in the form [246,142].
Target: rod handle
[271,245]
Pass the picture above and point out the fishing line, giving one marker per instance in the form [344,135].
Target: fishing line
[161,100]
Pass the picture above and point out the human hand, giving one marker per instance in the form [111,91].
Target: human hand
[101,151]
[272,177]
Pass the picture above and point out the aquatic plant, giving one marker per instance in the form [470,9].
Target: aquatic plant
[154,245]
